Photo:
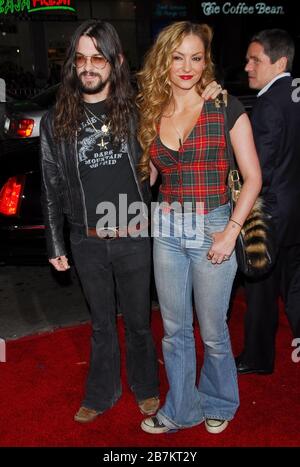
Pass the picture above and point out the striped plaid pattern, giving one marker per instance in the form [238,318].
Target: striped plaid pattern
[198,171]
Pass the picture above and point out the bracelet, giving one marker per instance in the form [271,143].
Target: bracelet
[232,220]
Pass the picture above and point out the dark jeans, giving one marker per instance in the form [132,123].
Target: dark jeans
[109,269]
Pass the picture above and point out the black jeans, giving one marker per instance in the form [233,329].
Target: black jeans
[109,269]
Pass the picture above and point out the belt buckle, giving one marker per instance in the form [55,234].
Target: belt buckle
[107,232]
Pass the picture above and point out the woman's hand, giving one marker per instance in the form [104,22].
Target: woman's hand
[223,246]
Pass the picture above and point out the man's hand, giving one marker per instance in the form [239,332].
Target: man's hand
[212,91]
[60,263]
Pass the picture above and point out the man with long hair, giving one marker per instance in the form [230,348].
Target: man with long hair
[89,156]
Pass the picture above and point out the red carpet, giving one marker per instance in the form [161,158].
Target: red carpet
[43,379]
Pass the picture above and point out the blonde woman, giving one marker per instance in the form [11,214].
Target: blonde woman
[182,136]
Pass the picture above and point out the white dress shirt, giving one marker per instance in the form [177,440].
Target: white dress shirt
[267,86]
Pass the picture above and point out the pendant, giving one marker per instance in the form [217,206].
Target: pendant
[102,144]
[104,129]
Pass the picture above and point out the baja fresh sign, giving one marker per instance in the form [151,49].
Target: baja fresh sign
[30,6]
[241,8]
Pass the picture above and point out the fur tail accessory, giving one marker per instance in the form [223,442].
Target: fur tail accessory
[255,246]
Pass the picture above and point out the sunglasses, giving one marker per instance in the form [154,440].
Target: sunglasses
[98,61]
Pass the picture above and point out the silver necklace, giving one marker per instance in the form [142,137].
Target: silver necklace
[180,139]
[178,134]
[104,128]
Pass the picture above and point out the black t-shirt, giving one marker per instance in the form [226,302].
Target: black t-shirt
[104,169]
[234,110]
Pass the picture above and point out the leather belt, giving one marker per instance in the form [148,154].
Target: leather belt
[112,233]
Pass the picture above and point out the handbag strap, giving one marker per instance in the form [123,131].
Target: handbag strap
[233,177]
[229,150]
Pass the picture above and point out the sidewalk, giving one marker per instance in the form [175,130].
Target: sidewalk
[33,299]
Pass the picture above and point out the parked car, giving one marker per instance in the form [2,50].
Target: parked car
[4,104]
[22,230]
[22,118]
[21,224]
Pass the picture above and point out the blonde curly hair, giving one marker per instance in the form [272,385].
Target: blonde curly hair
[155,91]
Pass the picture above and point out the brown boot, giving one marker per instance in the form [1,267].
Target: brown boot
[85,415]
[149,406]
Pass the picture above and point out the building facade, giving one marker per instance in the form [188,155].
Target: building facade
[34,34]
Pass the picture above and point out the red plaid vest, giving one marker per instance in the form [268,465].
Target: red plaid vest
[198,171]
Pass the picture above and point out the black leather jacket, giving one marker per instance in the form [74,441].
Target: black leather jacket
[62,192]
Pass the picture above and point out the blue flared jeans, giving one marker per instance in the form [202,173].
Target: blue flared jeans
[182,270]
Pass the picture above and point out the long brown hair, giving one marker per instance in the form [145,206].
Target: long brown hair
[155,91]
[120,102]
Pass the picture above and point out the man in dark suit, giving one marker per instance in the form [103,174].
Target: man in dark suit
[276,125]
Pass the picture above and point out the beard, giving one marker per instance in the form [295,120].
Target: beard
[91,88]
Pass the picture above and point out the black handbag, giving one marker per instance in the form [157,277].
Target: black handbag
[255,246]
